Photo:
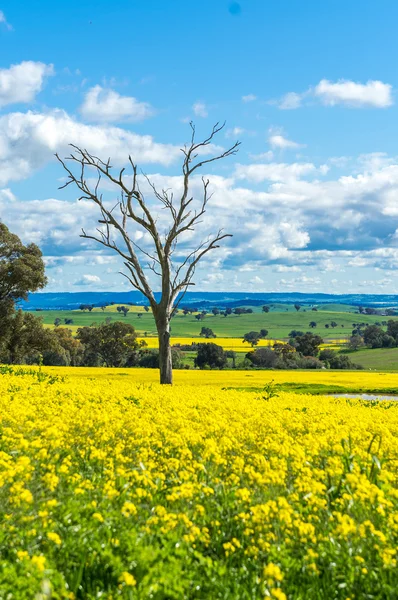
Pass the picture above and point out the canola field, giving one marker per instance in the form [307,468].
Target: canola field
[112,486]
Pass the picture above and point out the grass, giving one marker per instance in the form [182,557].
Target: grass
[279,323]
[385,359]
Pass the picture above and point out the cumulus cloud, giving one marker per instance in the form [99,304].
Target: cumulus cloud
[29,140]
[200,109]
[88,280]
[290,101]
[107,106]
[372,94]
[277,140]
[21,83]
[286,220]
[274,171]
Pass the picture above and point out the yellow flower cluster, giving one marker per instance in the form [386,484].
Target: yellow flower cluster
[232,343]
[119,488]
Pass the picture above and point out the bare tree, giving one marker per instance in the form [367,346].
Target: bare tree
[132,208]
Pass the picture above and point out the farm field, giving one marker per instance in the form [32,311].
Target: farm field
[234,378]
[382,359]
[113,486]
[279,322]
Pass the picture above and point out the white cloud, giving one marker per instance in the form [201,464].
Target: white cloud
[29,140]
[87,280]
[234,132]
[21,83]
[256,280]
[373,93]
[277,140]
[4,21]
[287,269]
[6,194]
[290,101]
[107,106]
[274,171]
[200,109]
[249,98]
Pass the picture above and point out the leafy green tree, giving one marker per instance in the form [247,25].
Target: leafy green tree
[252,337]
[373,336]
[57,322]
[207,332]
[263,333]
[392,329]
[297,307]
[308,344]
[23,338]
[312,324]
[210,355]
[334,360]
[265,309]
[111,343]
[215,311]
[21,270]
[294,333]
[72,346]
[355,342]
[149,359]
[263,357]
[333,324]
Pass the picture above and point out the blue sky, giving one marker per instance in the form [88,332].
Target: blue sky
[309,88]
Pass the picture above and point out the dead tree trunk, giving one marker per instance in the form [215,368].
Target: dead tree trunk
[165,357]
[118,221]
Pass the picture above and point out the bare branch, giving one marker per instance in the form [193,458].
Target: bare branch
[131,207]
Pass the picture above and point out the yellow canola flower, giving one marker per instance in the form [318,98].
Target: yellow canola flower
[39,562]
[272,571]
[206,468]
[98,517]
[278,594]
[128,579]
[54,537]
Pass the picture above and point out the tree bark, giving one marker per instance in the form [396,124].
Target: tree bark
[165,361]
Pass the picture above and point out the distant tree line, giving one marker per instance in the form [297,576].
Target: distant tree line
[302,352]
[374,336]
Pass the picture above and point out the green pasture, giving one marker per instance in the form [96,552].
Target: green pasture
[279,322]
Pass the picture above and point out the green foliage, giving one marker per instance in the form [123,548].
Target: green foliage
[210,355]
[110,344]
[308,344]
[21,270]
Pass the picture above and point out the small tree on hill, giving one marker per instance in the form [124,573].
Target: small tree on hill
[297,307]
[207,332]
[265,309]
[312,324]
[252,337]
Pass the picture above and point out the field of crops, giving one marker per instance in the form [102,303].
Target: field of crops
[114,487]
[279,321]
